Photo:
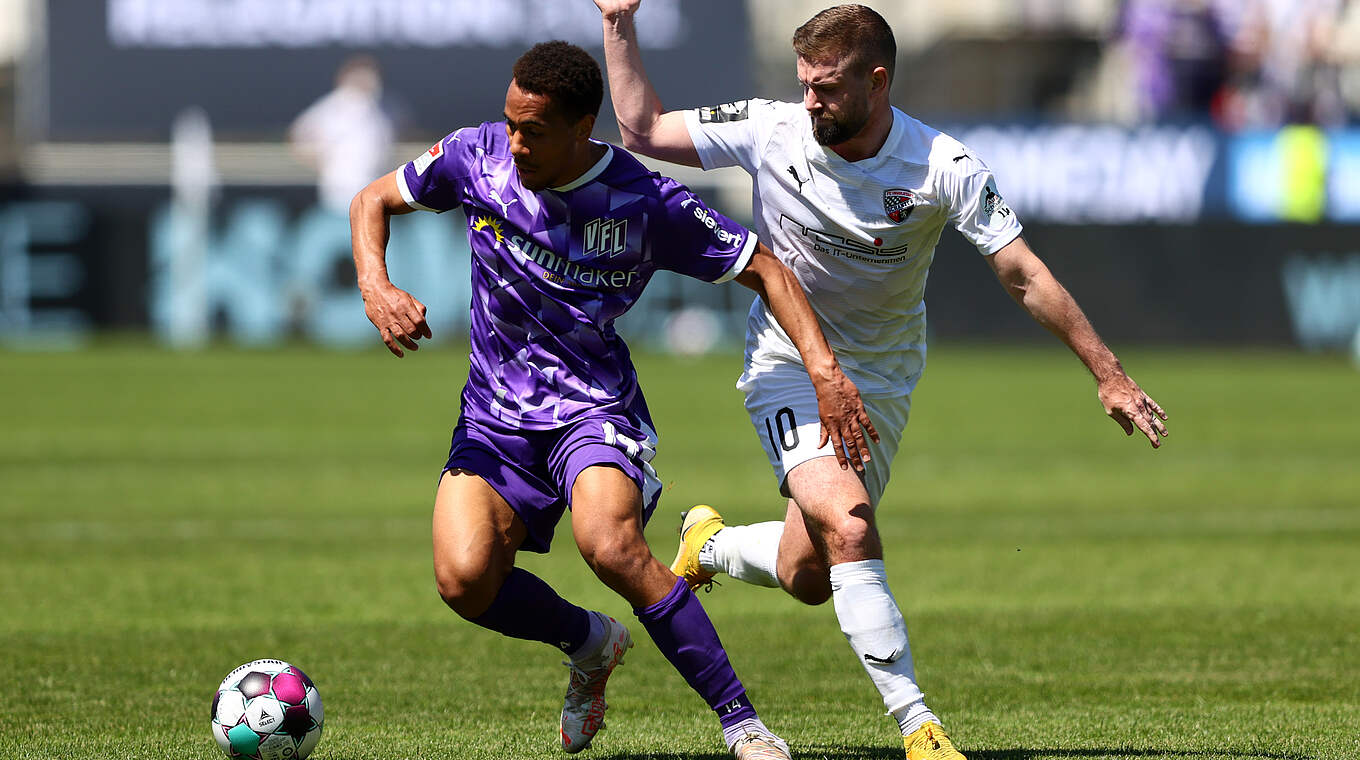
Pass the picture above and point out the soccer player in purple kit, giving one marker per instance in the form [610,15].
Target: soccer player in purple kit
[565,233]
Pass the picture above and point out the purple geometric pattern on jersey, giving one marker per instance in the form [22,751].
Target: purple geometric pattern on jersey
[552,270]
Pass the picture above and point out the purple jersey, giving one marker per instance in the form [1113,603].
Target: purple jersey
[552,270]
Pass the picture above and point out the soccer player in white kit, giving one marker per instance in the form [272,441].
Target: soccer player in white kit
[852,194]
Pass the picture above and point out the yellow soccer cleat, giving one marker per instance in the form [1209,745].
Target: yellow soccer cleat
[929,742]
[696,526]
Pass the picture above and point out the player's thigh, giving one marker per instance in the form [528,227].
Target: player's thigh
[606,505]
[837,509]
[783,408]
[606,521]
[603,464]
[476,535]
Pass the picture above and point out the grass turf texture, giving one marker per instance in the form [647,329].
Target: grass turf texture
[1070,593]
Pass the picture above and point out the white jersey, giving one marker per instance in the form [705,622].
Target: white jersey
[859,236]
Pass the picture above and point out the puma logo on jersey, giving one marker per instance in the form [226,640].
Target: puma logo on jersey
[798,179]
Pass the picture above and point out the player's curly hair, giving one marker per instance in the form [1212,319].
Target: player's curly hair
[564,73]
[855,31]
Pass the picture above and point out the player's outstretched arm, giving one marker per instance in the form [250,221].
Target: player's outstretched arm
[1035,288]
[399,317]
[644,125]
[844,419]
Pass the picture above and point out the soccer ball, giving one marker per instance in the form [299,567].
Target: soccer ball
[267,710]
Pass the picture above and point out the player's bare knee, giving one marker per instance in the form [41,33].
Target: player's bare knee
[614,556]
[852,537]
[467,587]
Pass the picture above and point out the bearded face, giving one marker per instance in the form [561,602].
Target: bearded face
[837,101]
[833,128]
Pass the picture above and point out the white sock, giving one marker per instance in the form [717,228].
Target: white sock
[749,726]
[745,552]
[590,648]
[873,625]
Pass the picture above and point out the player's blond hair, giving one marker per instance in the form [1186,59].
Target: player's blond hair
[853,31]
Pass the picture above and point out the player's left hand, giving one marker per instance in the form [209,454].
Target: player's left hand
[844,420]
[611,8]
[1128,405]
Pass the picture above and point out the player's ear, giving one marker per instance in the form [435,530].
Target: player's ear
[878,80]
[585,127]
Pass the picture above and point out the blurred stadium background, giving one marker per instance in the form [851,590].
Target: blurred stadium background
[193,476]
[1189,166]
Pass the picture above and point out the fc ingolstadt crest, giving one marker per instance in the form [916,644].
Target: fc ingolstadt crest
[898,203]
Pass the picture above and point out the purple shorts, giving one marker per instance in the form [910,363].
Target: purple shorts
[534,470]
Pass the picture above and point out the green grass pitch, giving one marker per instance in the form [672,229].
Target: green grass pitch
[1071,594]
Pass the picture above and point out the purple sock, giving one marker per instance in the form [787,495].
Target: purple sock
[683,632]
[528,608]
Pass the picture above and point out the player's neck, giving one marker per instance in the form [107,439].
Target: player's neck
[585,160]
[870,140]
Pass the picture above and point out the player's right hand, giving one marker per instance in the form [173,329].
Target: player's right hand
[399,317]
[844,420]
[610,8]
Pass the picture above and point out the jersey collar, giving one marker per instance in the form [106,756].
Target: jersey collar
[590,173]
[872,163]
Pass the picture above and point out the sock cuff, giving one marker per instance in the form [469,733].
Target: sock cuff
[668,604]
[863,571]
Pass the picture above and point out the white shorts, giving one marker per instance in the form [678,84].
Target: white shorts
[783,409]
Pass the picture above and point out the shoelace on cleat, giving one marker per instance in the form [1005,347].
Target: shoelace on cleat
[587,689]
[764,750]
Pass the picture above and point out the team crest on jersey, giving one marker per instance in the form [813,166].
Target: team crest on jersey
[428,157]
[605,237]
[737,111]
[898,203]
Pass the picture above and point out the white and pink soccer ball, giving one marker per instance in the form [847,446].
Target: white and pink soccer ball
[267,710]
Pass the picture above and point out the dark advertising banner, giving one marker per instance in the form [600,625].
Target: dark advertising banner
[270,265]
[123,69]
[1201,284]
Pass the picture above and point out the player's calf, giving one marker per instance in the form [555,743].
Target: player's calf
[805,578]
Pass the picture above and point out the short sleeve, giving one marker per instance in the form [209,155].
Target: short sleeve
[730,134]
[433,180]
[688,237]
[980,214]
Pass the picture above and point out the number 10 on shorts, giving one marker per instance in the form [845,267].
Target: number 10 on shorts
[787,427]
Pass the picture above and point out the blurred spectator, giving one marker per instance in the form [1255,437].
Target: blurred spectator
[1245,63]
[1177,51]
[1345,54]
[346,135]
[1284,70]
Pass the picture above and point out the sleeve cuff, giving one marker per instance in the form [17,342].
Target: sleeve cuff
[1002,240]
[406,191]
[739,266]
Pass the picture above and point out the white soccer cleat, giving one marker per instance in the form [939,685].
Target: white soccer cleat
[583,710]
[760,747]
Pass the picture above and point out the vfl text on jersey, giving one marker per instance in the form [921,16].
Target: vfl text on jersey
[605,237]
